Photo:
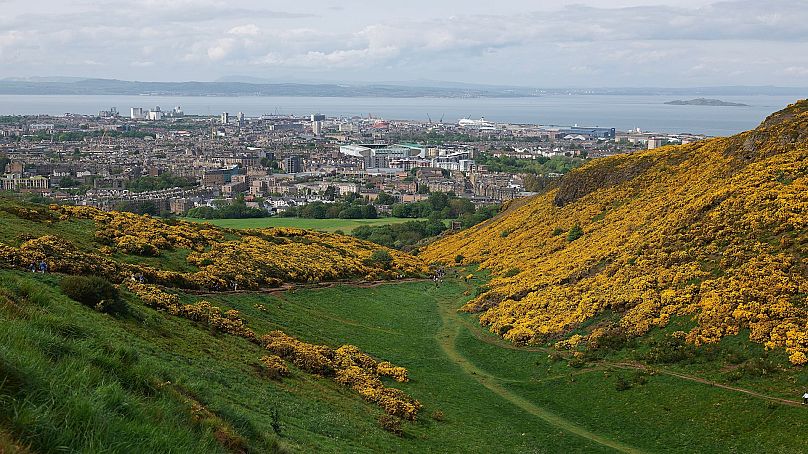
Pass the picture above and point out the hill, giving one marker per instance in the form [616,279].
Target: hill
[181,254]
[709,236]
[705,102]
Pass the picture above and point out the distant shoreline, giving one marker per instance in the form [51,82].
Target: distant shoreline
[705,102]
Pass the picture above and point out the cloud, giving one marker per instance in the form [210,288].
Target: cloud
[635,43]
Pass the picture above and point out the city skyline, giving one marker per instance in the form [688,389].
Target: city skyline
[576,44]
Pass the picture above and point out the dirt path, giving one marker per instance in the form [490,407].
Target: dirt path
[447,337]
[693,378]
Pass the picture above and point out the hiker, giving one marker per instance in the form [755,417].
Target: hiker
[43,267]
[134,277]
[140,278]
[32,267]
[805,398]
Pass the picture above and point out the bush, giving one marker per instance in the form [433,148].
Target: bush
[459,258]
[438,415]
[381,258]
[391,424]
[575,232]
[93,291]
[622,384]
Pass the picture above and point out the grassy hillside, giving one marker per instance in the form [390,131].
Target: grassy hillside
[73,379]
[116,245]
[710,236]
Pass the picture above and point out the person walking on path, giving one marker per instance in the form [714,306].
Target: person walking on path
[43,267]
[805,398]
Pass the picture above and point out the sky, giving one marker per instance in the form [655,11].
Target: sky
[621,43]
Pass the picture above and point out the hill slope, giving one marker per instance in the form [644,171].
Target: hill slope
[714,231]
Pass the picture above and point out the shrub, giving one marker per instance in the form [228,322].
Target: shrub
[459,258]
[391,424]
[438,415]
[622,384]
[380,257]
[273,367]
[575,232]
[557,231]
[93,291]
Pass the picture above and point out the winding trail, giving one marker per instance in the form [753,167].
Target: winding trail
[447,338]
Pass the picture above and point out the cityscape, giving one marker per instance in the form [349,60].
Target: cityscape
[276,161]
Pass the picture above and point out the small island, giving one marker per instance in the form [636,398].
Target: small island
[705,102]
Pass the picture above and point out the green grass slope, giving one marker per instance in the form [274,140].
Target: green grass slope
[73,379]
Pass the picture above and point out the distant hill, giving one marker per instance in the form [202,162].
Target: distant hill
[712,235]
[705,102]
[257,86]
[55,86]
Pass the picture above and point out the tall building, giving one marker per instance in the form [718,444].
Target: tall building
[293,164]
[225,119]
[317,127]
[136,113]
[317,117]
[240,118]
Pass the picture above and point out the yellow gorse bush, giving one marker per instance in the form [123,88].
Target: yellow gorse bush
[714,230]
[248,259]
[347,364]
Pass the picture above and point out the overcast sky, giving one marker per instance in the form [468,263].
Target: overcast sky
[531,43]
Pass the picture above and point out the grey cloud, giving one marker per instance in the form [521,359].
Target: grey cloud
[173,40]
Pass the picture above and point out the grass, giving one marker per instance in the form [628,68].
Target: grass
[326,225]
[77,380]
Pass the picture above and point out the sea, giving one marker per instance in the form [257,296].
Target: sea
[624,112]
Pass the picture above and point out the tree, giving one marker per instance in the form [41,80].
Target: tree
[385,199]
[381,258]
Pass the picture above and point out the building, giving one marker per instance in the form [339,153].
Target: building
[16,182]
[218,177]
[655,142]
[587,133]
[317,117]
[240,118]
[293,164]
[156,114]
[379,155]
[317,128]
[225,118]
[136,113]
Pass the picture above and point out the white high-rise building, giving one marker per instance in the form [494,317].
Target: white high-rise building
[136,113]
[225,118]
[317,127]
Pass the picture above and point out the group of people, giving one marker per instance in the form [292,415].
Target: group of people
[440,273]
[42,267]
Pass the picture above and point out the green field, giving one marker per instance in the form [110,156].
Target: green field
[72,379]
[325,225]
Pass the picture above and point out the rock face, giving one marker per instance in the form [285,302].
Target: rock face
[716,231]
